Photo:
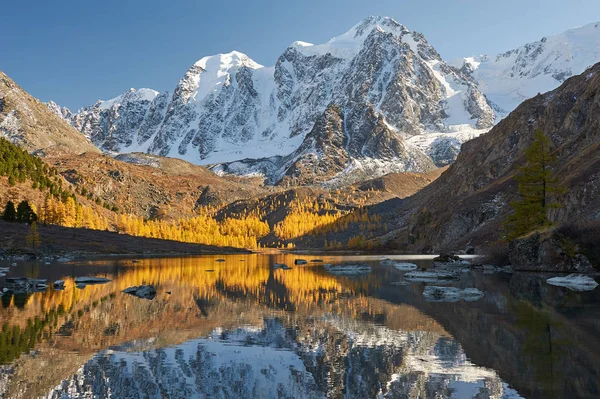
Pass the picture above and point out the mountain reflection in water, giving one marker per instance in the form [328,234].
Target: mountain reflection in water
[239,328]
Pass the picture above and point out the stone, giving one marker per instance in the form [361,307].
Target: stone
[451,294]
[349,269]
[91,280]
[545,253]
[142,291]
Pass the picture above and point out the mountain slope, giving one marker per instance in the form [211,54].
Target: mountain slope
[27,122]
[470,200]
[509,78]
[388,83]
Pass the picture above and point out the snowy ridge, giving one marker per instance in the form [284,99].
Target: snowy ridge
[509,78]
[402,107]
[228,108]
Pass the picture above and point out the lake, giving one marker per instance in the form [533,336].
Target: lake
[236,327]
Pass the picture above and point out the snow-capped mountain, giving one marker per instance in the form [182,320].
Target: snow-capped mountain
[386,82]
[376,99]
[510,78]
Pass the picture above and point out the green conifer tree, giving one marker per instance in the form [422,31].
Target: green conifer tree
[536,186]
[25,213]
[33,238]
[10,213]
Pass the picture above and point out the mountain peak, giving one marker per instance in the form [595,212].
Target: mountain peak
[132,94]
[226,61]
[347,45]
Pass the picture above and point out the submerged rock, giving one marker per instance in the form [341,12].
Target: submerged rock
[281,266]
[317,261]
[91,280]
[142,291]
[24,284]
[349,269]
[220,260]
[574,282]
[300,262]
[431,276]
[403,266]
[80,286]
[451,294]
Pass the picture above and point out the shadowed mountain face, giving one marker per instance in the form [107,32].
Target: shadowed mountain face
[472,197]
[243,328]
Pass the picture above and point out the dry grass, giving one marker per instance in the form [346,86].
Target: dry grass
[57,240]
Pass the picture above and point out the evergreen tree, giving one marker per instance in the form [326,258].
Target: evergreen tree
[10,213]
[536,185]
[33,238]
[25,213]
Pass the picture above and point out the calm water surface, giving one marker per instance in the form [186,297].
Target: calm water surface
[240,329]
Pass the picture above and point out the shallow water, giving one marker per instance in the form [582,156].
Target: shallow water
[241,329]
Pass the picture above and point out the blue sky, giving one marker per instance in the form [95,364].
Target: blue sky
[75,52]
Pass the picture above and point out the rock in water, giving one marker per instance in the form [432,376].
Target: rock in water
[451,294]
[300,262]
[59,285]
[281,266]
[402,266]
[434,276]
[91,280]
[349,269]
[142,291]
[574,282]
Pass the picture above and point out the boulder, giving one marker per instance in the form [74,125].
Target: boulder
[91,280]
[349,269]
[574,282]
[451,294]
[142,291]
[431,276]
[402,266]
[546,253]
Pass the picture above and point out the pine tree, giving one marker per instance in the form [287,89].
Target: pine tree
[536,185]
[33,238]
[10,213]
[25,213]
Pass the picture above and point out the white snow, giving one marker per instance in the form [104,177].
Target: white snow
[131,95]
[510,78]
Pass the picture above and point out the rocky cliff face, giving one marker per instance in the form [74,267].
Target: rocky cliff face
[387,82]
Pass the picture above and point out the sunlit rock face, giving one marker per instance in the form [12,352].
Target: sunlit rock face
[388,83]
[331,358]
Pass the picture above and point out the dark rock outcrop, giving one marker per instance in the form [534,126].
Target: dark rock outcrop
[539,253]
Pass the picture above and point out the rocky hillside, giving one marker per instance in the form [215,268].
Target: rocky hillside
[29,123]
[469,201]
[363,95]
